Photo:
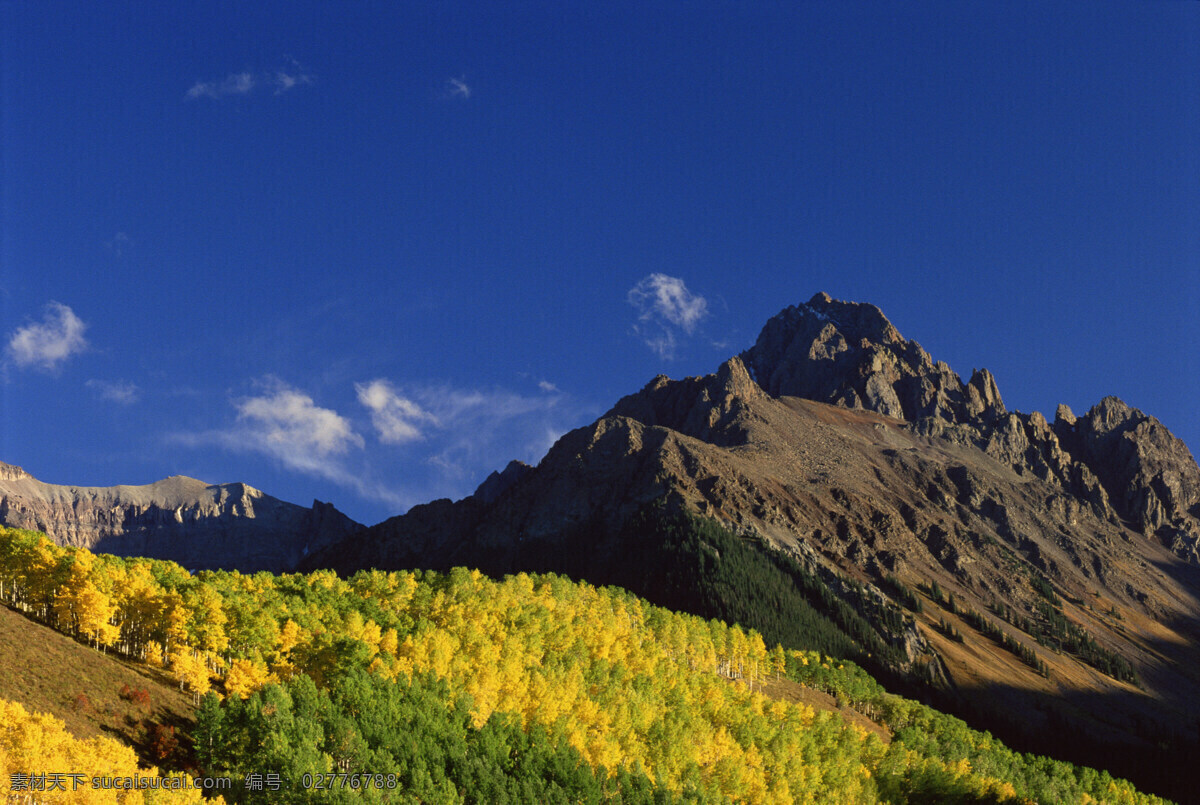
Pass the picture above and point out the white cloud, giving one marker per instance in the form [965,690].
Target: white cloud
[668,298]
[118,243]
[458,88]
[119,392]
[246,83]
[287,424]
[458,435]
[467,433]
[50,343]
[662,343]
[547,386]
[396,418]
[665,305]
[234,84]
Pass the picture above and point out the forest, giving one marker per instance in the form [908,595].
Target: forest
[456,687]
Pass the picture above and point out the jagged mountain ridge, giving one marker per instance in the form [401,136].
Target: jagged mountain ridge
[199,525]
[835,440]
[850,355]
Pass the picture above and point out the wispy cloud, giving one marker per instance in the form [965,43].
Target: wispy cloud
[49,344]
[396,418]
[120,392]
[119,243]
[234,84]
[286,424]
[467,433]
[457,87]
[665,306]
[547,386]
[459,434]
[245,83]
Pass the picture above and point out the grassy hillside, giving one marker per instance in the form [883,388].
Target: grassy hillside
[456,687]
[94,694]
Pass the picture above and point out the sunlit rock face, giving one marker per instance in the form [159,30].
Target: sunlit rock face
[198,525]
[849,354]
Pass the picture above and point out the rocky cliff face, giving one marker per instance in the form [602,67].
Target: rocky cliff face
[1124,464]
[1150,477]
[836,441]
[198,525]
[849,354]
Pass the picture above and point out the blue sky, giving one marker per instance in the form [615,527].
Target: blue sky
[368,253]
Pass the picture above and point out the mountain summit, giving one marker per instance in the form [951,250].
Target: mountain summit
[849,354]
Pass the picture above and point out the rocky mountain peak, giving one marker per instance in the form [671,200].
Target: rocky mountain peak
[708,408]
[1148,473]
[856,321]
[499,482]
[983,396]
[849,354]
[8,472]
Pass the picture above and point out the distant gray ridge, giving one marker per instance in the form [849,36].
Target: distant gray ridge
[200,525]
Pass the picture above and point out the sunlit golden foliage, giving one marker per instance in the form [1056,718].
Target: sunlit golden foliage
[38,744]
[625,683]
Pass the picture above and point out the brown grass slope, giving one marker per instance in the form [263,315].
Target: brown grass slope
[48,672]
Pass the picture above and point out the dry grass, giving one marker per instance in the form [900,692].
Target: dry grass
[50,673]
[787,691]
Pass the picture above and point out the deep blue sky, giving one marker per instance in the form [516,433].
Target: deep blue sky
[369,254]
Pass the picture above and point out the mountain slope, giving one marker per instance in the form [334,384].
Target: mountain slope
[199,525]
[94,694]
[1058,562]
[458,688]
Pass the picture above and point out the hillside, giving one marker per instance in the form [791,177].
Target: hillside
[94,694]
[427,687]
[1035,577]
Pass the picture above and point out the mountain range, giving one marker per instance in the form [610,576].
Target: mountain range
[833,487]
[1055,565]
[202,526]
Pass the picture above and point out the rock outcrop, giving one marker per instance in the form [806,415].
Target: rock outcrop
[198,525]
[498,482]
[10,473]
[849,354]
[1150,476]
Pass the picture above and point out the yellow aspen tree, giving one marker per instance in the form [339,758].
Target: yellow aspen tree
[388,641]
[353,625]
[778,661]
[138,605]
[440,649]
[245,677]
[404,657]
[74,574]
[95,611]
[38,577]
[155,654]
[289,636]
[191,669]
[737,651]
[172,621]
[206,619]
